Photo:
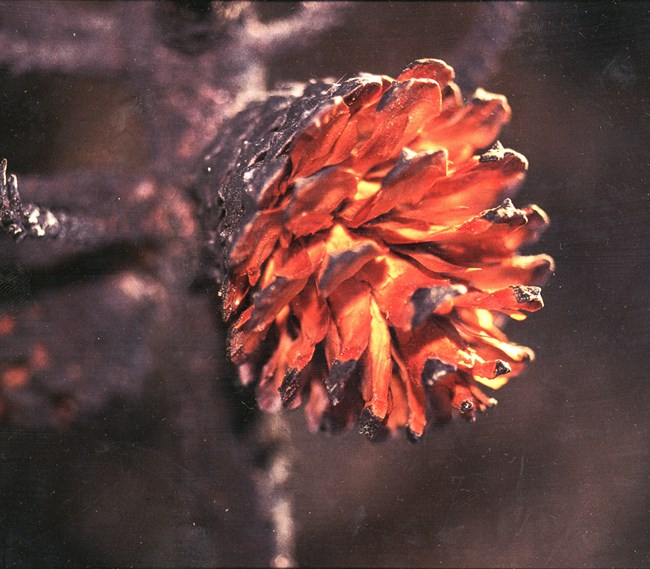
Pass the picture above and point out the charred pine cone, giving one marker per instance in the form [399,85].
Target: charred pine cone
[367,248]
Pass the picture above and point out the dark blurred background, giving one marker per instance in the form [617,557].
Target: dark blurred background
[556,476]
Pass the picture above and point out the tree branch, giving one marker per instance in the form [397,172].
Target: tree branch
[310,20]
[68,37]
[139,209]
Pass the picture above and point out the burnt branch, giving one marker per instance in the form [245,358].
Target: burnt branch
[172,53]
[93,224]
[22,220]
[62,37]
[309,20]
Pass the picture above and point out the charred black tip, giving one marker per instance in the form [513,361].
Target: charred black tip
[502,368]
[337,377]
[493,154]
[527,294]
[505,213]
[371,426]
[466,407]
[289,388]
[412,436]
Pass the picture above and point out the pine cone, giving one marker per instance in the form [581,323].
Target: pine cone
[365,265]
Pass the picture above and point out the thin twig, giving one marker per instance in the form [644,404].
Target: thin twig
[274,437]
